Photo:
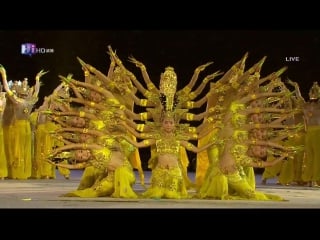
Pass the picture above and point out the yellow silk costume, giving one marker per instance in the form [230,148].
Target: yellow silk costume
[116,184]
[167,182]
[240,182]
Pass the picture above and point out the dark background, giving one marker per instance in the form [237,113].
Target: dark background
[182,49]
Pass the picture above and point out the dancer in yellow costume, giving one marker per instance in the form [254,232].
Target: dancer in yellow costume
[167,91]
[167,178]
[103,99]
[3,159]
[18,132]
[311,168]
[228,176]
[110,159]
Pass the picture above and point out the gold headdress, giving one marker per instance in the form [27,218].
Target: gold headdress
[168,88]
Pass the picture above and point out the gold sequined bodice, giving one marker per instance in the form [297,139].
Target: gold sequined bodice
[165,145]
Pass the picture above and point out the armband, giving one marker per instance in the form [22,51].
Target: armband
[189,145]
[82,114]
[192,95]
[143,116]
[190,116]
[253,96]
[192,129]
[143,102]
[140,127]
[190,104]
[150,86]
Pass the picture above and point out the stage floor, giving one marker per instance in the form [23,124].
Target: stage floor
[45,194]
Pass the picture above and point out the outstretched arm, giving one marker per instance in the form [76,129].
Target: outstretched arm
[265,164]
[81,130]
[142,144]
[68,166]
[189,146]
[75,146]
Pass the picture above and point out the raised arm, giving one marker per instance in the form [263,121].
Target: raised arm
[195,76]
[38,83]
[10,94]
[145,75]
[198,91]
[90,86]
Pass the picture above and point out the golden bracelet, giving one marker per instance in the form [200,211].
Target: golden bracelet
[187,89]
[140,127]
[143,102]
[192,129]
[122,107]
[143,116]
[82,114]
[210,119]
[10,93]
[113,101]
[253,96]
[260,164]
[192,95]
[147,94]
[150,86]
[189,145]
[190,104]
[195,136]
[146,142]
[190,116]
[86,73]
[92,104]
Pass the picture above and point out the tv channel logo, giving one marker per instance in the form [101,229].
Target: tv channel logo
[31,49]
